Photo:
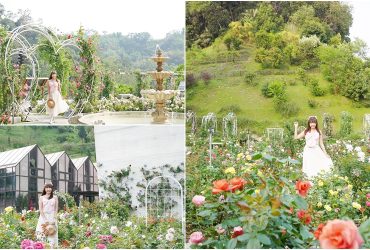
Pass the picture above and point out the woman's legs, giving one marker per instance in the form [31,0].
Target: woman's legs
[51,118]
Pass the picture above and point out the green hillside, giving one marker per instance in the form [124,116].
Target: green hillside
[77,141]
[217,82]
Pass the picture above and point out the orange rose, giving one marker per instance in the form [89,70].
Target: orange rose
[302,187]
[220,186]
[237,183]
[340,234]
[319,231]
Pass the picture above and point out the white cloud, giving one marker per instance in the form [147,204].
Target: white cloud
[156,17]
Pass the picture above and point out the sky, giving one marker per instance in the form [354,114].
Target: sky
[361,20]
[157,17]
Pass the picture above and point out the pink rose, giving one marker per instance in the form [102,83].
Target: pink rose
[368,195]
[368,203]
[38,245]
[196,238]
[220,229]
[198,200]
[101,246]
[26,243]
[340,234]
[30,247]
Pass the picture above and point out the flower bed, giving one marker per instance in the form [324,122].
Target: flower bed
[249,198]
[98,228]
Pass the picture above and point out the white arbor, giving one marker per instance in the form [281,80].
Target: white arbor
[18,45]
[164,199]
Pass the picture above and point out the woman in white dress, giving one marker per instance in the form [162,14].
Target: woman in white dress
[54,90]
[48,207]
[315,157]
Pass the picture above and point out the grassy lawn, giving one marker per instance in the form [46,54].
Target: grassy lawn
[228,88]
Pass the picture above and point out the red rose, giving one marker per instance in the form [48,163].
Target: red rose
[220,186]
[304,216]
[237,183]
[302,187]
[237,231]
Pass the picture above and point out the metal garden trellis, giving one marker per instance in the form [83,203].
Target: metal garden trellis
[275,134]
[209,122]
[230,125]
[165,202]
[17,44]
[191,116]
[366,125]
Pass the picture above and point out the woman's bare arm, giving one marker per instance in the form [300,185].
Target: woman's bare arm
[41,208]
[56,204]
[296,135]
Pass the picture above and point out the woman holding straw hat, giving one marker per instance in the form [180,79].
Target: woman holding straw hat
[47,226]
[55,104]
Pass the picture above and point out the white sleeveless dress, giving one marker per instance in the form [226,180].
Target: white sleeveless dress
[49,211]
[314,159]
[60,105]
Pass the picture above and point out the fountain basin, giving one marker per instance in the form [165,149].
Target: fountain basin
[158,95]
[159,75]
[129,117]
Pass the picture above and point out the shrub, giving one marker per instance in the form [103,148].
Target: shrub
[271,58]
[266,91]
[232,42]
[316,90]
[273,89]
[302,75]
[206,77]
[230,108]
[345,123]
[190,80]
[312,103]
[123,89]
[328,124]
[249,78]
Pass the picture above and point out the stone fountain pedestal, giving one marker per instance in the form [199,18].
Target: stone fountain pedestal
[159,95]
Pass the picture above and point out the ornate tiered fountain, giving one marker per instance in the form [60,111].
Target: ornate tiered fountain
[159,95]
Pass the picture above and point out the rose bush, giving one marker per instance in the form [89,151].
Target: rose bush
[256,196]
[92,227]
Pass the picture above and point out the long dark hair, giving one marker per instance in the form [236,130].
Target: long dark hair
[51,74]
[48,185]
[312,119]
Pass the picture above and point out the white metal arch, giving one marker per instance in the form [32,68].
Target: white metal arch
[230,125]
[182,208]
[17,44]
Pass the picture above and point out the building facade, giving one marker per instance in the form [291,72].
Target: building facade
[24,172]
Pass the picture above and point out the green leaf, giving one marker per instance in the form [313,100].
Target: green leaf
[264,239]
[282,160]
[300,202]
[231,244]
[232,222]
[243,237]
[267,157]
[204,213]
[254,243]
[256,156]
[304,232]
